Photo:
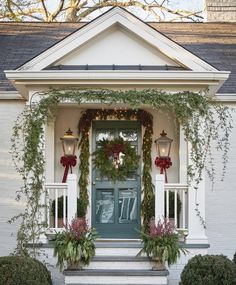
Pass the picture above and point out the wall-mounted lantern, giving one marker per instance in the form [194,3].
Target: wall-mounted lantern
[69,144]
[163,147]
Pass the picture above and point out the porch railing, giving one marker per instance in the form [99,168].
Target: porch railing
[171,201]
[176,204]
[61,202]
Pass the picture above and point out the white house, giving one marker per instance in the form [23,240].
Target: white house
[117,51]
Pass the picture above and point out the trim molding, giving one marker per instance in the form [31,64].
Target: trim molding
[11,95]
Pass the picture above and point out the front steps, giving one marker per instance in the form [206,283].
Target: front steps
[116,263]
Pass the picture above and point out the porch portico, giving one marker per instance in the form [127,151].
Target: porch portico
[119,52]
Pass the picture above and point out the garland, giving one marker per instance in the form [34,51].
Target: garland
[115,159]
[194,112]
[146,120]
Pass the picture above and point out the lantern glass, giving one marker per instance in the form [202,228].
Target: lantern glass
[69,143]
[163,145]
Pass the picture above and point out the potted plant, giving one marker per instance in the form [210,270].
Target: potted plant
[161,244]
[75,245]
[81,210]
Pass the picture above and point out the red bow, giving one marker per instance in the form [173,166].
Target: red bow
[164,163]
[67,162]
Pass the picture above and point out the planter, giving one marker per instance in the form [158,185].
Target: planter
[158,264]
[74,266]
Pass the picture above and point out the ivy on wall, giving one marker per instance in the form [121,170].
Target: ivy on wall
[205,122]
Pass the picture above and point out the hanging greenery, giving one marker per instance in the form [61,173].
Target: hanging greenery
[115,159]
[205,122]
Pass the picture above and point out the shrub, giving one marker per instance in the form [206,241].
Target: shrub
[17,270]
[208,270]
[81,209]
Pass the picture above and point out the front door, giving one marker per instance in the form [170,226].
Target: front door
[116,205]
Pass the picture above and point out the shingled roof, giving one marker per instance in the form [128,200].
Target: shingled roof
[213,42]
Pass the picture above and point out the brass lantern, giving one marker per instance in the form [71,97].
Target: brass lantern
[163,145]
[69,143]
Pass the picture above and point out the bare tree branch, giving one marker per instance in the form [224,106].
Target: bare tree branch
[76,10]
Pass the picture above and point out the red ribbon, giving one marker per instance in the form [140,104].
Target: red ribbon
[164,163]
[67,162]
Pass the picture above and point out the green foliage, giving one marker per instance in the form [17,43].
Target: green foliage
[161,243]
[234,259]
[208,270]
[81,209]
[172,204]
[75,246]
[17,270]
[193,111]
[104,162]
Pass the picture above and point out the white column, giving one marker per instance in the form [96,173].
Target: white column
[196,200]
[50,152]
[183,157]
[72,197]
[159,197]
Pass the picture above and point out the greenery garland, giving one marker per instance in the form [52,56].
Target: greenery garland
[195,112]
[103,114]
[115,169]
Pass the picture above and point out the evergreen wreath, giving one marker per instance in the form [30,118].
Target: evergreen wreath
[115,159]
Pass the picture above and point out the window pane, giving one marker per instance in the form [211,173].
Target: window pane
[127,205]
[129,135]
[104,206]
[105,135]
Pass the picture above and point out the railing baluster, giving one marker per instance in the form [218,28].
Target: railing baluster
[167,203]
[48,207]
[175,208]
[64,206]
[183,209]
[56,208]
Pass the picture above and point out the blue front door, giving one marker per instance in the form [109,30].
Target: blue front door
[116,205]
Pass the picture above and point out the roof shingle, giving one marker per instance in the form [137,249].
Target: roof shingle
[213,42]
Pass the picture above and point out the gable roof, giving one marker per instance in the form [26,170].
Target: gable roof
[213,42]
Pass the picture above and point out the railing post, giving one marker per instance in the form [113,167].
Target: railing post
[196,212]
[159,197]
[72,197]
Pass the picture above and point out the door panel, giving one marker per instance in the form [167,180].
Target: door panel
[116,206]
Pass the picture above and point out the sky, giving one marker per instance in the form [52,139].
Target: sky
[189,5]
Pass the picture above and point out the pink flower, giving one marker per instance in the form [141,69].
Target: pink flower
[163,228]
[78,227]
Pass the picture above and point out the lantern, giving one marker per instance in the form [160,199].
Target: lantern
[69,143]
[163,146]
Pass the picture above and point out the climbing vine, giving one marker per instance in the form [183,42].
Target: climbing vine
[205,122]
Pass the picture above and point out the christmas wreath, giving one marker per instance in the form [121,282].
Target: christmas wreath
[115,159]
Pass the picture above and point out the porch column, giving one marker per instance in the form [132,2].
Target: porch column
[72,197]
[196,201]
[159,197]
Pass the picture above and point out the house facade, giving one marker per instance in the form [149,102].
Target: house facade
[117,51]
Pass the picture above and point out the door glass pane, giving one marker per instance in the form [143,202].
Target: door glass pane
[104,206]
[105,135]
[127,205]
[129,135]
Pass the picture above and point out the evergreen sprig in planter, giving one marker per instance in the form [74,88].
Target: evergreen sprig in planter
[75,246]
[161,244]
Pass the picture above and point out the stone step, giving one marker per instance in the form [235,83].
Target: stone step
[116,277]
[117,248]
[120,262]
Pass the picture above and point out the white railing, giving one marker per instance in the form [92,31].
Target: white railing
[171,201]
[61,202]
[176,204]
